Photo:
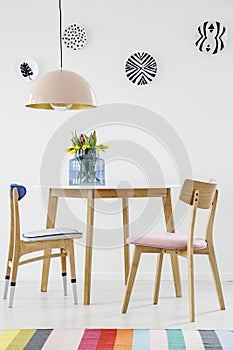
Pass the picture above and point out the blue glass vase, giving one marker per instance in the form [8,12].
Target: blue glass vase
[87,168]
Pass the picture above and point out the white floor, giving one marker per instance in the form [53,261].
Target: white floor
[33,309]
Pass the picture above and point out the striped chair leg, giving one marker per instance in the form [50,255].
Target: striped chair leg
[12,293]
[6,286]
[74,291]
[14,276]
[72,271]
[64,280]
[63,266]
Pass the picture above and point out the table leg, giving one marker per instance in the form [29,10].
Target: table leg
[125,212]
[89,243]
[167,206]
[51,216]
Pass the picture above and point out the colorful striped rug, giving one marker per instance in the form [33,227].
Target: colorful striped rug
[115,339]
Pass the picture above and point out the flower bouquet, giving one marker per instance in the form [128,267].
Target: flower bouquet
[86,168]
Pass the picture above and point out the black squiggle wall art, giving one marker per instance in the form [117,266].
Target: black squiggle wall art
[211,37]
[141,68]
[74,37]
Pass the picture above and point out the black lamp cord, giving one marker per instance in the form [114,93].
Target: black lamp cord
[60,21]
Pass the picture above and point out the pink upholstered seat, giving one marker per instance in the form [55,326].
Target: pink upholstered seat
[166,240]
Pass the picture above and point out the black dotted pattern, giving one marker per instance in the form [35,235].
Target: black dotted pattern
[74,37]
[141,68]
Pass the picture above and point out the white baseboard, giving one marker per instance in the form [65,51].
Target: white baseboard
[166,276]
[118,276]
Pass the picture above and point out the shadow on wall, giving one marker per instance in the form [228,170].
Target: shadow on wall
[144,150]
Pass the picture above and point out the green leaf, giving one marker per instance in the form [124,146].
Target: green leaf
[95,137]
[86,138]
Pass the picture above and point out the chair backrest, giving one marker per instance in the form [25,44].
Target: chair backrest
[206,193]
[17,192]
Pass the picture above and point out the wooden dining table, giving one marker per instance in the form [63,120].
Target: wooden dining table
[93,193]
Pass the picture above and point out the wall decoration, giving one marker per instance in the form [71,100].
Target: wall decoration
[27,69]
[211,37]
[141,68]
[74,37]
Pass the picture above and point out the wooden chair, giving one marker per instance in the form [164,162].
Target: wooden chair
[199,195]
[35,241]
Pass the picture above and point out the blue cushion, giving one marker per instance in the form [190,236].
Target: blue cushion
[21,190]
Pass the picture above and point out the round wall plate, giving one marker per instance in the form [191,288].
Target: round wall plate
[26,68]
[211,37]
[141,68]
[74,37]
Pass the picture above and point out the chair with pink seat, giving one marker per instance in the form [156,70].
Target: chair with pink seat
[198,195]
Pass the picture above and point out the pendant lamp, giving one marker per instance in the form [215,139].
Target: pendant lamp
[61,89]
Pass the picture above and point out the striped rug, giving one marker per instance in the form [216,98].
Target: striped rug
[115,339]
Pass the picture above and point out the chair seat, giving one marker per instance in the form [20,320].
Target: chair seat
[51,233]
[166,240]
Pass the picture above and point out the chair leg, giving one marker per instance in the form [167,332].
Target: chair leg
[131,278]
[73,272]
[13,279]
[191,288]
[64,282]
[45,271]
[158,277]
[8,271]
[74,291]
[176,274]
[214,268]
[6,286]
[12,293]
[64,274]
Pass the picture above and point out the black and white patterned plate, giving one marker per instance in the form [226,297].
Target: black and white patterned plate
[211,37]
[26,68]
[74,37]
[141,68]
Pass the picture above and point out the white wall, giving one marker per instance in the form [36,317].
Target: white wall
[191,95]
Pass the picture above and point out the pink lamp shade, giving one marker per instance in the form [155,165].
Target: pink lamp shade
[61,90]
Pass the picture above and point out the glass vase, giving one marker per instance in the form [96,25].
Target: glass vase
[87,168]
[74,169]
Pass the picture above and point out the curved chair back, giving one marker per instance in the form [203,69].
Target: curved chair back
[17,192]
[206,193]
